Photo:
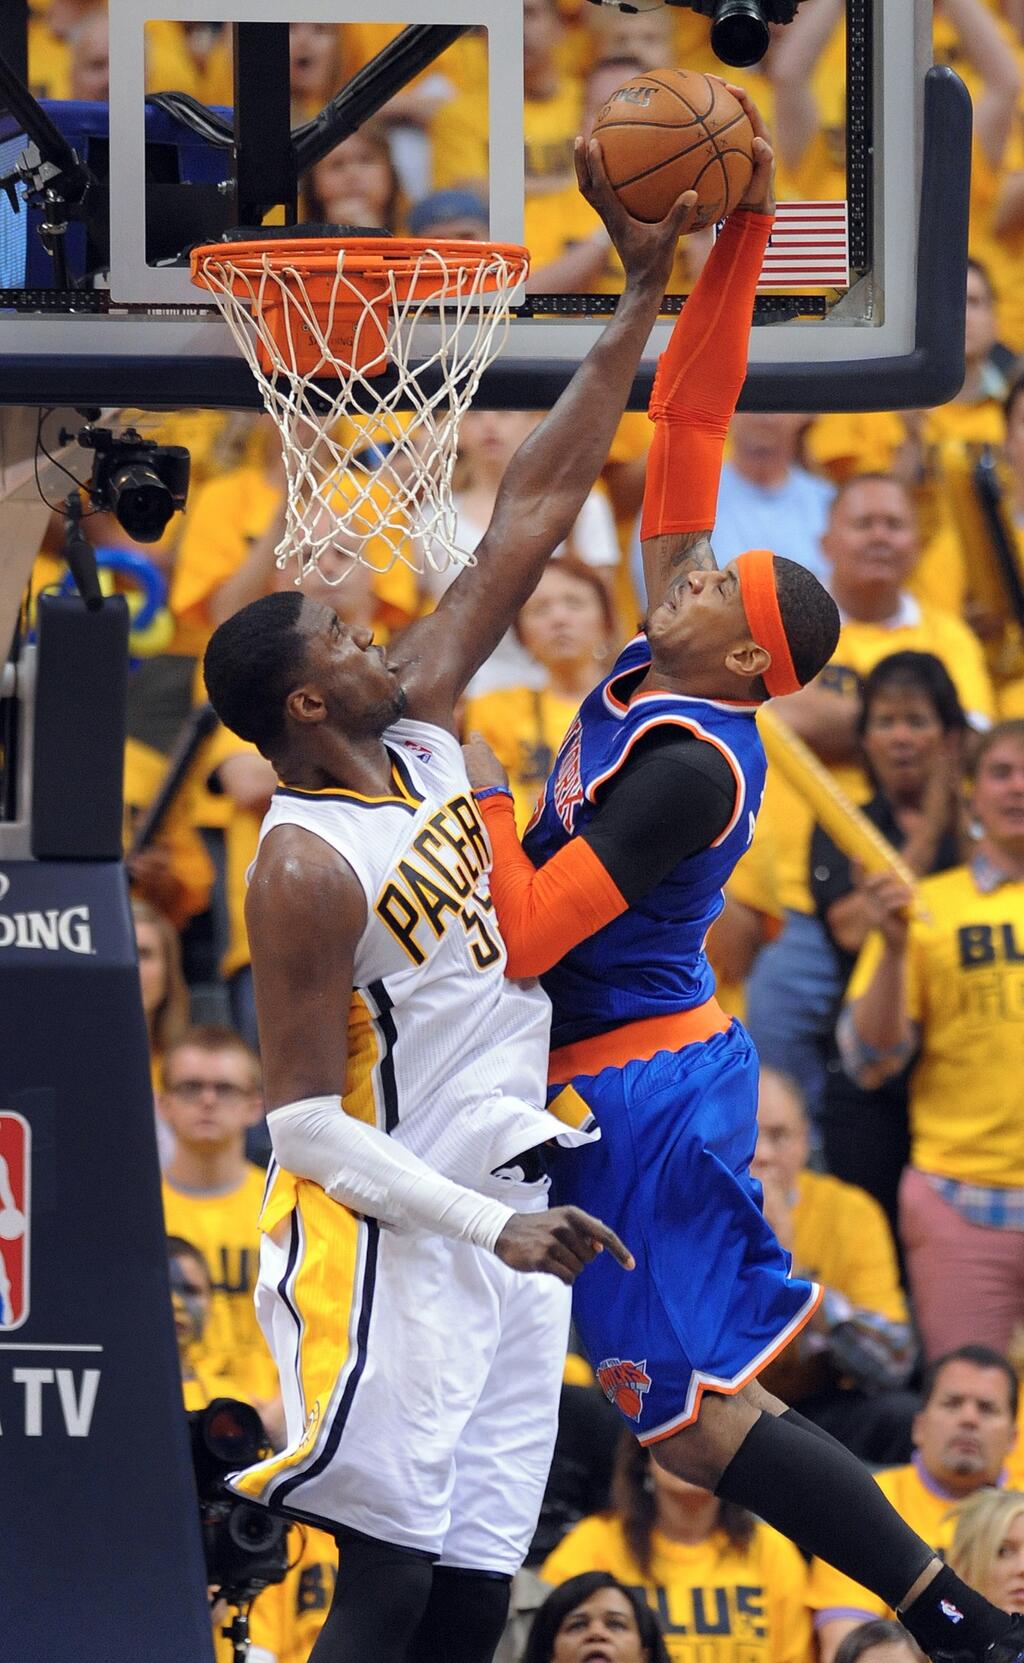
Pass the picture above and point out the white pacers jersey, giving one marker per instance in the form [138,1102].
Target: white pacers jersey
[444,1054]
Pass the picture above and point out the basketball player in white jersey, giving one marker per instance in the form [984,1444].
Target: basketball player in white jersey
[420,1371]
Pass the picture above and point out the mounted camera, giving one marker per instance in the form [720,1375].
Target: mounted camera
[740,32]
[245,1547]
[141,482]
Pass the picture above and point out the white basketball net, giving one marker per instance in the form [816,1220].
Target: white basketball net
[369,468]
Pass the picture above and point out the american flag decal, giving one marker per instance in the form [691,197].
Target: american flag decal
[809,247]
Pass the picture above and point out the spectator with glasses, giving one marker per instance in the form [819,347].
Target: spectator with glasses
[212,1194]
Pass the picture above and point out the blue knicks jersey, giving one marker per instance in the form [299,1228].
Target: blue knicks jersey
[651,960]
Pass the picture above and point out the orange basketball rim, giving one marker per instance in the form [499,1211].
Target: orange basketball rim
[326,303]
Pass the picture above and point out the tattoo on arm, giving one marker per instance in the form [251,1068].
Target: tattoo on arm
[673,553]
[692,552]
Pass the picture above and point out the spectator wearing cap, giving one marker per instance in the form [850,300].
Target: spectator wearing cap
[449,215]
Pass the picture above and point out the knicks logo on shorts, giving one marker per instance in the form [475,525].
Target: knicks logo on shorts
[15,1144]
[624,1384]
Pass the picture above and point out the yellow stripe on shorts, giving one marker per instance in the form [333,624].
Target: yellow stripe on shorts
[364,1053]
[326,1291]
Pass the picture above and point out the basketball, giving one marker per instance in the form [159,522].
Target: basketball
[674,130]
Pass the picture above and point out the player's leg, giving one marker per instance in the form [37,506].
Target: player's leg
[379,1600]
[658,1340]
[749,1449]
[464,1617]
[501,1467]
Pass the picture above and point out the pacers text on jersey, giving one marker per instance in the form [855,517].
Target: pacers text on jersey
[438,877]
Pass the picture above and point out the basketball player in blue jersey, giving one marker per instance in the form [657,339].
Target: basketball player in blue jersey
[650,803]
[406,1076]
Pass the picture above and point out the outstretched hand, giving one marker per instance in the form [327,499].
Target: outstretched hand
[560,1242]
[646,251]
[759,196]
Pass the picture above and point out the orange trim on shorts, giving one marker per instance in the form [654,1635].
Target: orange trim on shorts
[731,1387]
[637,1041]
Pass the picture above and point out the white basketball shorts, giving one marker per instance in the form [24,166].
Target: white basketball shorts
[420,1379]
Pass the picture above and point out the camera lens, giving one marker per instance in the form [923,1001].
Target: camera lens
[253,1529]
[141,501]
[739,33]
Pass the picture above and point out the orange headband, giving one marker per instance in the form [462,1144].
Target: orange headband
[756,569]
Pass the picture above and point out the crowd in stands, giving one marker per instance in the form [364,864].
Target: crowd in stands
[889,1021]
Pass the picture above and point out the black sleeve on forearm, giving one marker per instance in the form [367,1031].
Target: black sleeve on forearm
[673,796]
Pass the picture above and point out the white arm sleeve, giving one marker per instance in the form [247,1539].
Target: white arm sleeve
[370,1173]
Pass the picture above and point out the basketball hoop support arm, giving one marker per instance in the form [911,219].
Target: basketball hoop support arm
[270,157]
[370,88]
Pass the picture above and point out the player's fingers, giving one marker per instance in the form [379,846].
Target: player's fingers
[581,160]
[595,162]
[555,1264]
[683,212]
[892,894]
[615,1245]
[601,1236]
[574,1238]
[743,98]
[877,880]
[571,1256]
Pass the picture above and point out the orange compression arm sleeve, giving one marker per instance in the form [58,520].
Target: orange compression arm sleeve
[699,379]
[544,911]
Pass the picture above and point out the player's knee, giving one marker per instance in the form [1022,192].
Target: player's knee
[465,1618]
[700,1453]
[381,1587]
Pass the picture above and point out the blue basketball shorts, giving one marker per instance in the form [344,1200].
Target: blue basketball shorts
[711,1300]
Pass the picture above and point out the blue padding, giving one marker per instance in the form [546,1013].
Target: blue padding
[87,125]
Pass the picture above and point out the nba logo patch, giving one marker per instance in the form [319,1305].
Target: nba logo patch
[625,1384]
[15,1146]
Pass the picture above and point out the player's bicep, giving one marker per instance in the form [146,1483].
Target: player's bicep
[305,912]
[672,798]
[667,557]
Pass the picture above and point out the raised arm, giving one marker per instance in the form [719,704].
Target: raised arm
[790,68]
[699,380]
[302,970]
[549,478]
[987,46]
